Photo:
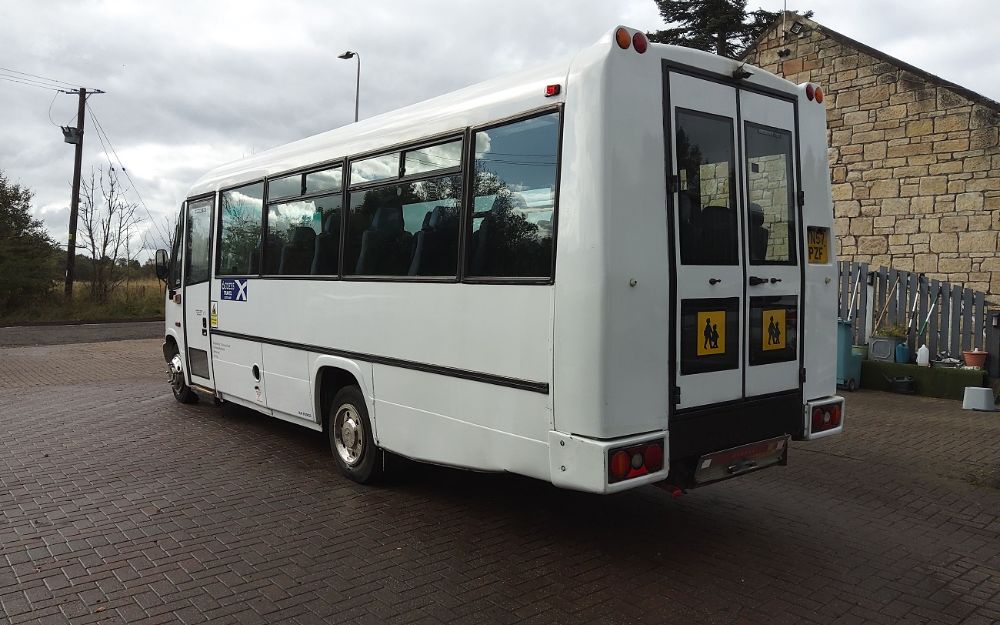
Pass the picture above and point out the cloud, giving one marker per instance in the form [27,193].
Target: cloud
[192,84]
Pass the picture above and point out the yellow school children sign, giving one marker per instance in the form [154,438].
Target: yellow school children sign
[773,329]
[712,326]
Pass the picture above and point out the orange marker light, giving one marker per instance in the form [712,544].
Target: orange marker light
[623,39]
[819,95]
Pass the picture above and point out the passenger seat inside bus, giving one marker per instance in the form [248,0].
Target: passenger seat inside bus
[271,260]
[385,245]
[435,249]
[491,252]
[324,262]
[297,255]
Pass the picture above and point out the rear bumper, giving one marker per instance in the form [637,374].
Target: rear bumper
[581,463]
[808,434]
[715,432]
[705,431]
[713,428]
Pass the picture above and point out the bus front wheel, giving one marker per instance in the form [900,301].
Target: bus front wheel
[351,437]
[175,372]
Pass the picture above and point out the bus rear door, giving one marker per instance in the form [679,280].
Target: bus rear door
[737,262]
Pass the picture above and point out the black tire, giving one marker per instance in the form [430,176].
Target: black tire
[351,440]
[182,392]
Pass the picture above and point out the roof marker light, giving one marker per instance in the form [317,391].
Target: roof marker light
[551,90]
[622,38]
[810,92]
[639,42]
[819,95]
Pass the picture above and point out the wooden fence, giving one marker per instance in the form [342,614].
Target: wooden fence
[947,317]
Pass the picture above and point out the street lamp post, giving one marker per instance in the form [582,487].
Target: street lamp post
[357,88]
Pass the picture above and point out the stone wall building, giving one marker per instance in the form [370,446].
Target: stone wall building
[914,159]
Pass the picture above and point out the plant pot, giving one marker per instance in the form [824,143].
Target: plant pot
[883,348]
[975,359]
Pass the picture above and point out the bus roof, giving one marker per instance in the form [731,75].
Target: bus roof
[470,106]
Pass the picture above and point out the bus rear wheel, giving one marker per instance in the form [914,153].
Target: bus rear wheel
[351,438]
[175,373]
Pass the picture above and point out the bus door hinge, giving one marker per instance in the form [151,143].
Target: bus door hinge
[673,184]
[802,375]
[802,198]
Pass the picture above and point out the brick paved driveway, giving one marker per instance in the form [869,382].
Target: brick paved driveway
[118,505]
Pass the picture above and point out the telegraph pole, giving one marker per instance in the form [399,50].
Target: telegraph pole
[74,135]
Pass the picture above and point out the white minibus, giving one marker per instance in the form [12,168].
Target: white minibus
[604,272]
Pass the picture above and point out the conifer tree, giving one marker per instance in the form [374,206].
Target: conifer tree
[723,27]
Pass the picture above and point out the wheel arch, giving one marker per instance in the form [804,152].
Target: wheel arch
[330,374]
[171,345]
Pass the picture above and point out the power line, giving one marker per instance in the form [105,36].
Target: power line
[30,83]
[101,131]
[52,80]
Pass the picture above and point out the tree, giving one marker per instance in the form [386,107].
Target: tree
[724,27]
[27,253]
[108,224]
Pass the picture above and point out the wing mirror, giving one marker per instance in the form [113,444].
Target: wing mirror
[162,262]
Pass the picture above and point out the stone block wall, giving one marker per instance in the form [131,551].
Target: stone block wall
[914,163]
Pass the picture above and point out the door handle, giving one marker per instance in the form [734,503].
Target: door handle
[775,280]
[714,281]
[754,280]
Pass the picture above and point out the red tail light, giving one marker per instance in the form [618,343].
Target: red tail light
[826,417]
[551,90]
[653,457]
[639,42]
[810,92]
[626,463]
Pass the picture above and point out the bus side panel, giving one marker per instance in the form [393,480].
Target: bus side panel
[578,321]
[233,361]
[461,423]
[610,335]
[820,335]
[637,328]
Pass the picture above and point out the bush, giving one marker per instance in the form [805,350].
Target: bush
[27,254]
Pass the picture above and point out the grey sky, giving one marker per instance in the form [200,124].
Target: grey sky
[194,84]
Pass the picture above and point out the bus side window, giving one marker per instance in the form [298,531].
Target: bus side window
[239,236]
[174,274]
[408,229]
[514,204]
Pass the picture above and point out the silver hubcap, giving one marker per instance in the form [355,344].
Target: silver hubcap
[349,434]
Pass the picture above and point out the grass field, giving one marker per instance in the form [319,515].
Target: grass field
[136,299]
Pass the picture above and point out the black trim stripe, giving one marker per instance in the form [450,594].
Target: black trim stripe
[464,374]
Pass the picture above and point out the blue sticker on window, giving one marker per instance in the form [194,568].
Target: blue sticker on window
[234,289]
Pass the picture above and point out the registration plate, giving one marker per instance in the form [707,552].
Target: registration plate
[819,245]
[730,462]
